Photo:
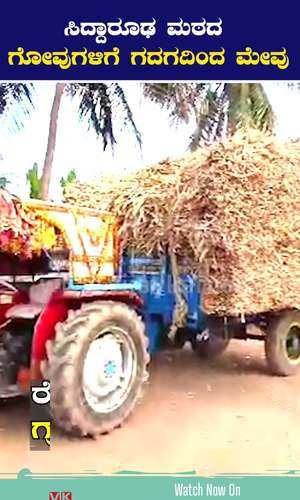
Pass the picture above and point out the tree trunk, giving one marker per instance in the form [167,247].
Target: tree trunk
[48,163]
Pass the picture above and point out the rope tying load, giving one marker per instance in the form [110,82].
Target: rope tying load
[181,308]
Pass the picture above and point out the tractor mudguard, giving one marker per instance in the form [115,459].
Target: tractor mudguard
[56,311]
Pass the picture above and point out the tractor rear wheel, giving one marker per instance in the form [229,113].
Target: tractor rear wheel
[282,345]
[97,367]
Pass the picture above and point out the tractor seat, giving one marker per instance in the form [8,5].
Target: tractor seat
[39,295]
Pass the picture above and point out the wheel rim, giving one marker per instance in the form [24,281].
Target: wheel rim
[109,370]
[293,344]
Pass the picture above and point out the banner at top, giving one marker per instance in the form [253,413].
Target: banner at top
[184,42]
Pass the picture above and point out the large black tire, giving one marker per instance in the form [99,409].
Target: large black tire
[70,408]
[210,348]
[282,344]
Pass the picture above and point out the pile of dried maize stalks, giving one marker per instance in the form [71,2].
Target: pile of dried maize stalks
[233,209]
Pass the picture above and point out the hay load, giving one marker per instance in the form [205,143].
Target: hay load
[233,209]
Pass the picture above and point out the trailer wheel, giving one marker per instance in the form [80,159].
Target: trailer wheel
[211,346]
[282,345]
[97,368]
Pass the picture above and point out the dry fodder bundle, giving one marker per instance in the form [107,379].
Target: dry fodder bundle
[145,201]
[232,208]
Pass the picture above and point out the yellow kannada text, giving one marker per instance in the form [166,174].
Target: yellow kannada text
[174,57]
[253,58]
[45,426]
[65,59]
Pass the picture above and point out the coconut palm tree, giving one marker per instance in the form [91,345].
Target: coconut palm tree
[101,104]
[49,156]
[217,109]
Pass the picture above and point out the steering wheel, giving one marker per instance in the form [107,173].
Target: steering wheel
[8,286]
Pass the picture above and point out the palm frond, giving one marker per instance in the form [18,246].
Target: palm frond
[239,112]
[249,106]
[16,101]
[211,120]
[122,110]
[102,105]
[262,111]
[181,100]
[95,106]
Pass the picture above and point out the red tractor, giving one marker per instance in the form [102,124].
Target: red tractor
[64,317]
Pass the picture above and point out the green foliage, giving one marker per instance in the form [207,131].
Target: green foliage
[35,183]
[65,181]
[218,109]
[249,106]
[102,105]
[3,182]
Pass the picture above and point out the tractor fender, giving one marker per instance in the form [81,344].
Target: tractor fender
[56,311]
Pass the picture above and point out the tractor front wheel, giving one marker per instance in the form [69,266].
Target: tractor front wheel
[97,368]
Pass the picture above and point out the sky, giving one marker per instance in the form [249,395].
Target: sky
[78,148]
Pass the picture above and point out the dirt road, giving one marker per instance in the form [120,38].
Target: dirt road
[229,415]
